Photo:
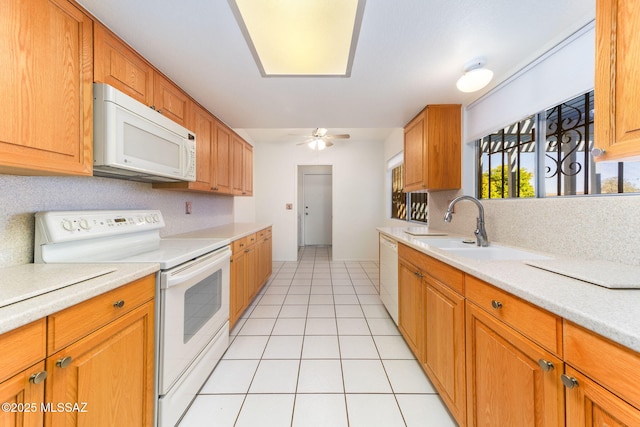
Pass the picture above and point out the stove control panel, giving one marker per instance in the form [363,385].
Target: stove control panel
[66,226]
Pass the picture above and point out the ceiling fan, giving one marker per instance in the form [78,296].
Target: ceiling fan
[319,139]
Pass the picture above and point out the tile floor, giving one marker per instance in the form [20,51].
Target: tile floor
[317,348]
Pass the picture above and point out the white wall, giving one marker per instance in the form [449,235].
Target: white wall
[357,195]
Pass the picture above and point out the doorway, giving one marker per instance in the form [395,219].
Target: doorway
[315,207]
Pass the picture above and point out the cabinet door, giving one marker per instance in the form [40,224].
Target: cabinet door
[119,66]
[203,125]
[169,100]
[46,85]
[247,170]
[237,165]
[415,154]
[111,370]
[590,405]
[251,272]
[411,307]
[617,81]
[24,399]
[444,350]
[506,385]
[238,288]
[222,159]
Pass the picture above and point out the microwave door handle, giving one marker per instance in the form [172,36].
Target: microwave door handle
[188,160]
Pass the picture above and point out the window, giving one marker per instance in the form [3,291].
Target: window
[512,163]
[507,162]
[406,206]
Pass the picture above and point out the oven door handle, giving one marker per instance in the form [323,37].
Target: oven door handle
[185,273]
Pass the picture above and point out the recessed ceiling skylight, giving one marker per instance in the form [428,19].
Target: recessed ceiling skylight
[301,37]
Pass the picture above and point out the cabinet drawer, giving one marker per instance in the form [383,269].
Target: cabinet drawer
[613,366]
[75,322]
[537,324]
[22,348]
[446,274]
[251,239]
[239,245]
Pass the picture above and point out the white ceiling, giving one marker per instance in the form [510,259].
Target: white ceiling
[410,53]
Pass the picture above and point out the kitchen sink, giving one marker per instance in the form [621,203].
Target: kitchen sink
[468,249]
[448,243]
[494,253]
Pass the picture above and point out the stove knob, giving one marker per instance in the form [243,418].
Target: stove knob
[156,218]
[67,225]
[84,224]
[149,218]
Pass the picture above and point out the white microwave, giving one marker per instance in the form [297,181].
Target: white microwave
[133,141]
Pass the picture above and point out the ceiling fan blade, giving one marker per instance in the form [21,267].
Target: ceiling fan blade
[340,136]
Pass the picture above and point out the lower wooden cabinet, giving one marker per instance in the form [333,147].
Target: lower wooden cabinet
[511,381]
[445,347]
[498,360]
[108,375]
[411,307]
[249,271]
[21,397]
[101,374]
[602,380]
[591,405]
[431,319]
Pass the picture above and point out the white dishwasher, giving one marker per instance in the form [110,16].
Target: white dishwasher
[389,275]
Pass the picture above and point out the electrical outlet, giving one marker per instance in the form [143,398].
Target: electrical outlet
[187,208]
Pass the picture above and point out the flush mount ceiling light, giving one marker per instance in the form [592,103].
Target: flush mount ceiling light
[301,38]
[475,76]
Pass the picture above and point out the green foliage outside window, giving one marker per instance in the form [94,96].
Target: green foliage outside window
[499,187]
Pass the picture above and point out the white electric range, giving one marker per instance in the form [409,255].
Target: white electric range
[192,289]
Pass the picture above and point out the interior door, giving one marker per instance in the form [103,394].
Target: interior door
[317,209]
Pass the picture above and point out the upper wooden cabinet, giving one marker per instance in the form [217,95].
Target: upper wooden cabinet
[242,167]
[119,66]
[617,81]
[222,159]
[169,100]
[432,144]
[46,85]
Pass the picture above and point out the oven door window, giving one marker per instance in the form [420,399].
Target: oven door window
[201,302]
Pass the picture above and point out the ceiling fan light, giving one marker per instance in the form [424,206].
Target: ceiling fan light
[321,144]
[475,77]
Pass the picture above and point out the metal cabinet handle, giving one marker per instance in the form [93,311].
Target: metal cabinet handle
[118,304]
[569,382]
[496,304]
[38,377]
[597,152]
[545,365]
[418,274]
[64,362]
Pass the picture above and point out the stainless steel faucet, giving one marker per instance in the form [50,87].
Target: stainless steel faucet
[481,232]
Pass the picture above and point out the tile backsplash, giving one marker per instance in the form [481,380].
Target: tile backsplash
[586,227]
[21,197]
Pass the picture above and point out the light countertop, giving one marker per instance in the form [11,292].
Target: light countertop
[32,291]
[64,285]
[232,231]
[612,313]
